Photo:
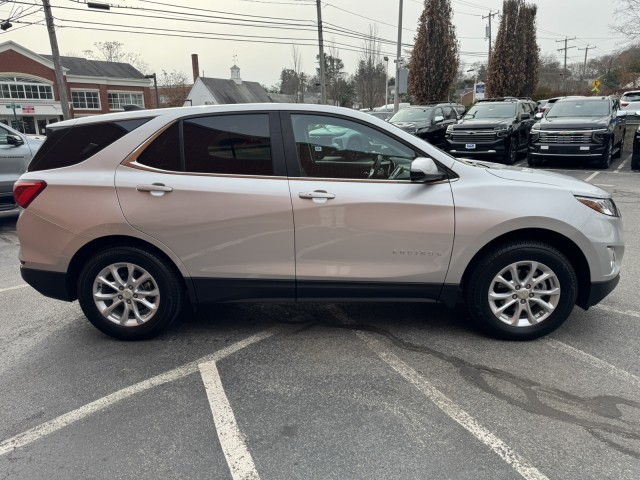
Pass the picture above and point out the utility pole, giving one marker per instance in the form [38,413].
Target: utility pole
[55,54]
[396,101]
[584,68]
[323,87]
[564,75]
[491,14]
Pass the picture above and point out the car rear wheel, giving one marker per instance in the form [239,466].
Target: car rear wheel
[521,290]
[129,293]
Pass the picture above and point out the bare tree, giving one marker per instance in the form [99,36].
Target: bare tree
[434,61]
[114,52]
[174,88]
[628,12]
[371,73]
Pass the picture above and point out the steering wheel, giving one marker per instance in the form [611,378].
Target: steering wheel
[375,167]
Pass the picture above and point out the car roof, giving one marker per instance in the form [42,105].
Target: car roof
[583,99]
[179,112]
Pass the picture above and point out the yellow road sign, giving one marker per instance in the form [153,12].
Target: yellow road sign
[596,83]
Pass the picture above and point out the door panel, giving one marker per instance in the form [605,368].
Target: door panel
[229,217]
[361,229]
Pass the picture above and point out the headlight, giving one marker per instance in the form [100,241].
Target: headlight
[450,128]
[599,136]
[502,132]
[534,134]
[605,206]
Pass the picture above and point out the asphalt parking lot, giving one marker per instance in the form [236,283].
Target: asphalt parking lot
[324,391]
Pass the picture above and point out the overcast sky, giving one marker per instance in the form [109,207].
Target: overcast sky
[285,22]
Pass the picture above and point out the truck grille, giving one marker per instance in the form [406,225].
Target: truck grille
[476,137]
[565,138]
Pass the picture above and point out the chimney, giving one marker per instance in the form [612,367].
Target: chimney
[195,67]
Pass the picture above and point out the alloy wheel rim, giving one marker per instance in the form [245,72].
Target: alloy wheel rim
[524,294]
[126,294]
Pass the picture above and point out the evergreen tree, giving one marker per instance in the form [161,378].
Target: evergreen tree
[434,60]
[514,63]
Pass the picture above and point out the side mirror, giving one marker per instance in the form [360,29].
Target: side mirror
[15,140]
[539,116]
[438,119]
[621,113]
[425,170]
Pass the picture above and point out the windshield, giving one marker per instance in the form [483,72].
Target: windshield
[492,110]
[412,115]
[580,108]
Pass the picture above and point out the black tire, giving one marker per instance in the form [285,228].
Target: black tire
[533,162]
[167,304]
[523,254]
[635,162]
[605,159]
[511,153]
[620,146]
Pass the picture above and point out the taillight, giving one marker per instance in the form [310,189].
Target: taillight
[624,105]
[25,191]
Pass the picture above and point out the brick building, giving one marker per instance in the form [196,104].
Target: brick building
[28,87]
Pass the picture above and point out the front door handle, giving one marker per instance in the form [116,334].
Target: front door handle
[154,187]
[317,194]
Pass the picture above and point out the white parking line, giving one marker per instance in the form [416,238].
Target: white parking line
[444,403]
[8,289]
[36,433]
[232,442]
[593,361]
[606,308]
[621,165]
[591,177]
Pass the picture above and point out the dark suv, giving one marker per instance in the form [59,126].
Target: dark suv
[428,122]
[496,127]
[579,127]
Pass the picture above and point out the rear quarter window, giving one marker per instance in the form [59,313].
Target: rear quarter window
[66,146]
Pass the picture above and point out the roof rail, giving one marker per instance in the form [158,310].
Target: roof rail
[505,99]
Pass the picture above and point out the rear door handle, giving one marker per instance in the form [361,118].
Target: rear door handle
[317,194]
[154,187]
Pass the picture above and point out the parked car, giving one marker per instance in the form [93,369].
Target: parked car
[16,151]
[629,97]
[428,122]
[635,156]
[580,128]
[381,115]
[495,128]
[541,106]
[137,213]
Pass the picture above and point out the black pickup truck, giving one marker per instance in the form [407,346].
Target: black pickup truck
[591,128]
[496,128]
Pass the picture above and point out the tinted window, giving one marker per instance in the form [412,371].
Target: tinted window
[330,147]
[230,144]
[164,152]
[68,146]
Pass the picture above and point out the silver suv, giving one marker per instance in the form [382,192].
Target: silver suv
[16,151]
[137,213]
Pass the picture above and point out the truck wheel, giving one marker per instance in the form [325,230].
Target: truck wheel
[511,154]
[521,290]
[605,160]
[621,145]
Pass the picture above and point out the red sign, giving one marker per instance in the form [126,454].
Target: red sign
[28,109]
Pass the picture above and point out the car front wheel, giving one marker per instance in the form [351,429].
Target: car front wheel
[129,293]
[511,154]
[521,290]
[605,160]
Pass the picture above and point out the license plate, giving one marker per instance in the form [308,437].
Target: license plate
[470,146]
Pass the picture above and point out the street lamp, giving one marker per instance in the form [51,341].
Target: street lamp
[386,84]
[155,85]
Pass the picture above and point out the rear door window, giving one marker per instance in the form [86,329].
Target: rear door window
[66,146]
[228,144]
